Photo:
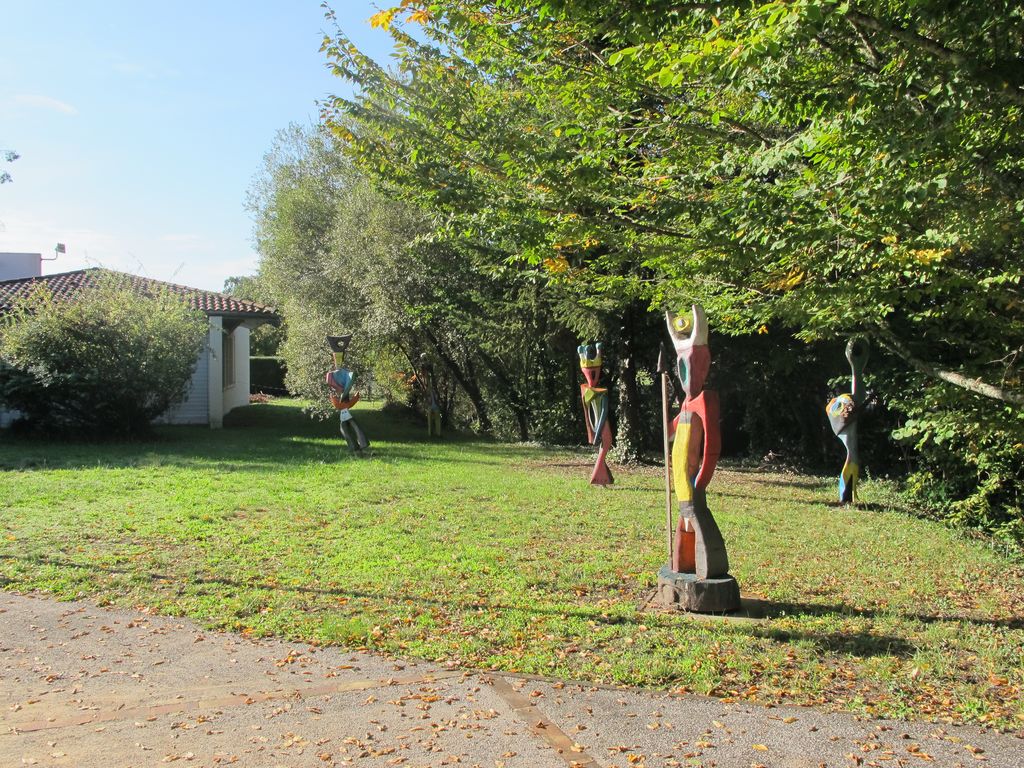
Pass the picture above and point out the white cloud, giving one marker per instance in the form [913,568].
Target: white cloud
[45,102]
[182,239]
[152,71]
[129,68]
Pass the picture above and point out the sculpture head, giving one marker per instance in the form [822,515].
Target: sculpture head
[590,362]
[688,330]
[689,334]
[338,345]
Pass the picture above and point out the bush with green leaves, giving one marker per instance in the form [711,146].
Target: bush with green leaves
[106,363]
[971,459]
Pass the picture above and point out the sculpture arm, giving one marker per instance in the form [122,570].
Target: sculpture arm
[705,406]
[600,404]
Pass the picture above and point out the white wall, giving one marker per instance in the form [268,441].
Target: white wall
[14,266]
[194,409]
[237,394]
[215,379]
[208,398]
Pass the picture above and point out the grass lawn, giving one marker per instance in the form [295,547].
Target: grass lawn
[504,557]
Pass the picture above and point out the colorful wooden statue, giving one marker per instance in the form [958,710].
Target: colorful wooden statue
[697,578]
[595,411]
[843,412]
[340,382]
[426,378]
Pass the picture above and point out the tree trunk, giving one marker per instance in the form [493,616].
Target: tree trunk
[510,393]
[468,383]
[628,432]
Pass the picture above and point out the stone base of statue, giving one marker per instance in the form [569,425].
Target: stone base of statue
[686,592]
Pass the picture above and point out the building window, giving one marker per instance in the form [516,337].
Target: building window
[228,357]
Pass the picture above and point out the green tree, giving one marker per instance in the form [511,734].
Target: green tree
[339,256]
[266,340]
[815,166]
[104,364]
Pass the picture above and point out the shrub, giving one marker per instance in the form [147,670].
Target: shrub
[266,374]
[105,364]
[970,459]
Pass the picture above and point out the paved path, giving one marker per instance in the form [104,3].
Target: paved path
[85,686]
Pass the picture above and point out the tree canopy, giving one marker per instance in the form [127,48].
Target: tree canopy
[338,256]
[831,167]
[816,166]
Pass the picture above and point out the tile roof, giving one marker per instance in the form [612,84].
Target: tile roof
[66,284]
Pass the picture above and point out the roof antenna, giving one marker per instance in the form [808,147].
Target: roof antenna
[139,266]
[59,249]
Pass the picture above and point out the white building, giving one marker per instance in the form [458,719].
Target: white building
[221,378]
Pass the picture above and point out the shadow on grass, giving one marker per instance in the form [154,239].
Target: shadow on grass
[858,643]
[256,438]
[862,644]
[764,476]
[831,503]
[774,609]
[809,500]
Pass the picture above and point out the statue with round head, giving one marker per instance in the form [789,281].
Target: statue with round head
[843,412]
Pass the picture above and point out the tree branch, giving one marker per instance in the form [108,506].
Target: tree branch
[982,70]
[977,386]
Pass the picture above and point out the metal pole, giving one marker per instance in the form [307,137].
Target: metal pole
[663,370]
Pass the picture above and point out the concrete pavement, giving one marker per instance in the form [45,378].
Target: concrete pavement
[85,686]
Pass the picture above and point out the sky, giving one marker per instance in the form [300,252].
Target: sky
[141,125]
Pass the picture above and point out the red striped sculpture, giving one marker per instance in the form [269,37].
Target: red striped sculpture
[595,411]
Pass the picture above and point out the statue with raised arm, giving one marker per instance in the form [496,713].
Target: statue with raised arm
[697,578]
[595,411]
[843,412]
[340,382]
